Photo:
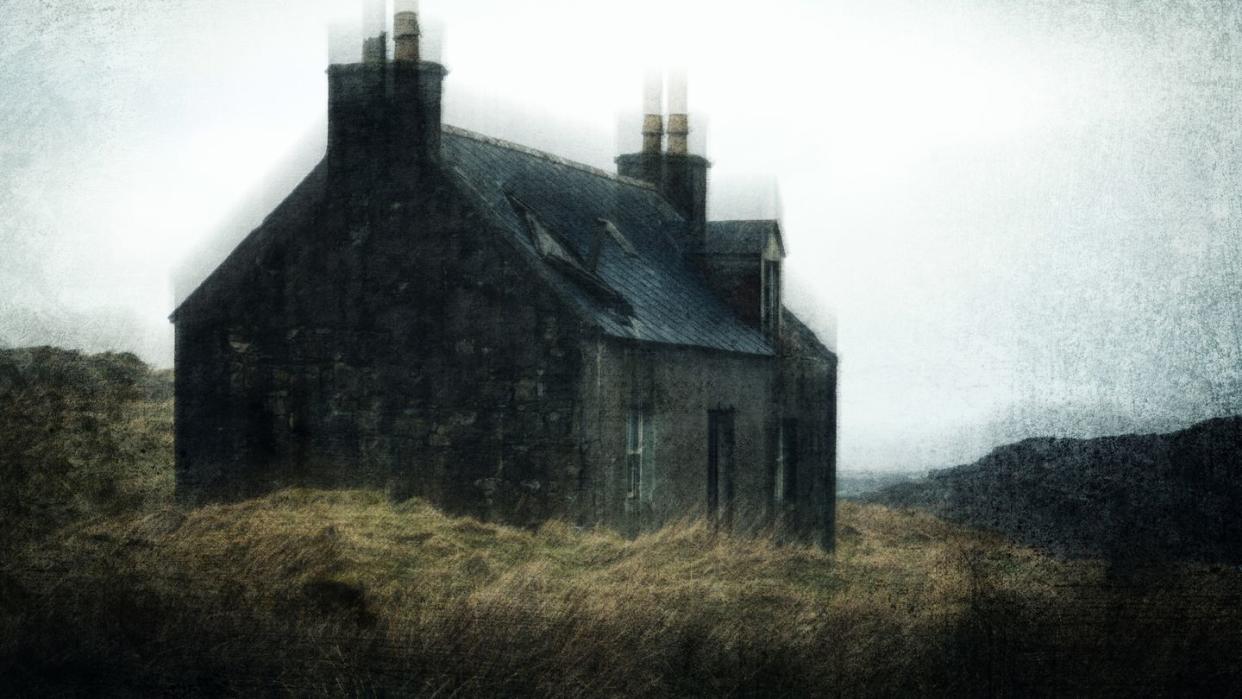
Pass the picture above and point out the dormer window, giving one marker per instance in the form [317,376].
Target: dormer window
[742,261]
[560,254]
[607,230]
[547,243]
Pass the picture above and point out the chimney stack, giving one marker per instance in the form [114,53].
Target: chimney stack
[384,115]
[679,175]
[405,29]
[678,113]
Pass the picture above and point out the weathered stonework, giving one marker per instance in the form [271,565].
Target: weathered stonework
[419,358]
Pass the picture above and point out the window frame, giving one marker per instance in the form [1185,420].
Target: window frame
[640,454]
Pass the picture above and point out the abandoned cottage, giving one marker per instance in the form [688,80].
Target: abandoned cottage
[504,332]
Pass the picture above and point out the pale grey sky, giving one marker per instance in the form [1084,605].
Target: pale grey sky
[1024,215]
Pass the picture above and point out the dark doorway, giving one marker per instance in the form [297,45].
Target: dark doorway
[720,471]
[789,461]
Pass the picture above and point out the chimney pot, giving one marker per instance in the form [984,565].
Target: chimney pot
[678,134]
[406,30]
[653,117]
[374,32]
[678,113]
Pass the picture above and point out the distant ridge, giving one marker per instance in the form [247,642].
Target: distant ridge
[1135,497]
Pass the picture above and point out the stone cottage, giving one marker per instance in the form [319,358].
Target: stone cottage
[504,332]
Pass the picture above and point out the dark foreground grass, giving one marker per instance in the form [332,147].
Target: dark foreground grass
[312,592]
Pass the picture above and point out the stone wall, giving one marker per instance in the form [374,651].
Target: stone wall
[402,346]
[808,395]
[677,386]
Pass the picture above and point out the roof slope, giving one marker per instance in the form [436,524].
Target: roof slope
[651,293]
[292,214]
[668,301]
[805,337]
[741,237]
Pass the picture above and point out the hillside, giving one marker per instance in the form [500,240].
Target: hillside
[1130,498]
[80,435]
[107,588]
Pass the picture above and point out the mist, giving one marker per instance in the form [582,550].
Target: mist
[1013,219]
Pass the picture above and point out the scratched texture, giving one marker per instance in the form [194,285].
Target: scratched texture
[1025,215]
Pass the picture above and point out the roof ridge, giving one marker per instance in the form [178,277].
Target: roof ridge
[544,155]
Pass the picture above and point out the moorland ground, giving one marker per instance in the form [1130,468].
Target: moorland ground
[108,587]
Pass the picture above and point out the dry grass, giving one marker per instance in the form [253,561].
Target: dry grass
[80,436]
[344,592]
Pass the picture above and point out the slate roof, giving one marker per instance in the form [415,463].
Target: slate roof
[645,293]
[741,237]
[663,299]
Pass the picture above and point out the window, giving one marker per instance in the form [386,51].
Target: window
[771,298]
[640,454]
[559,253]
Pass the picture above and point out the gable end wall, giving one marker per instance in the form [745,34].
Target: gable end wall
[406,347]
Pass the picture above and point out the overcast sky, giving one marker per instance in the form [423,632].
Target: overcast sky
[1022,215]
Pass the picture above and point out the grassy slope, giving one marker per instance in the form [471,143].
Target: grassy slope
[309,588]
[316,592]
[324,592]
